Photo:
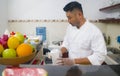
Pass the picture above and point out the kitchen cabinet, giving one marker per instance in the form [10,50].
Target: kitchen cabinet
[111,9]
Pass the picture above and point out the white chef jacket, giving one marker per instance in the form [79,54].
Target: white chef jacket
[87,41]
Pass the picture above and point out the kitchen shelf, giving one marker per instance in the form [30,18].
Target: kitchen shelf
[112,20]
[111,8]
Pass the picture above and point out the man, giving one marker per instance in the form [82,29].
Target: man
[83,40]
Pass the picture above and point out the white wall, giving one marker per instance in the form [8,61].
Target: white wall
[113,30]
[51,9]
[3,16]
[55,30]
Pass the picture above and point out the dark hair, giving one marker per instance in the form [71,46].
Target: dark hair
[74,71]
[73,5]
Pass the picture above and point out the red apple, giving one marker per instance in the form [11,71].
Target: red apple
[4,37]
[4,43]
[12,33]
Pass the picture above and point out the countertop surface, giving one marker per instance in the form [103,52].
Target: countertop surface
[87,70]
[115,57]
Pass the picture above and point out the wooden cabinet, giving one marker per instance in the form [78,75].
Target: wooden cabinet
[111,9]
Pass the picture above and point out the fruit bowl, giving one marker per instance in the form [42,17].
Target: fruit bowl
[17,60]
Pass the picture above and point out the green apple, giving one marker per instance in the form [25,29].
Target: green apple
[9,53]
[20,37]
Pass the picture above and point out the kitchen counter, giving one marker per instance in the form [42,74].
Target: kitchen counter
[110,61]
[113,59]
[87,70]
[113,56]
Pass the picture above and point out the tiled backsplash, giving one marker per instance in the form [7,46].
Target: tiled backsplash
[37,20]
[56,29]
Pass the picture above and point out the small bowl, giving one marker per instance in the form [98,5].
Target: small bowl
[17,60]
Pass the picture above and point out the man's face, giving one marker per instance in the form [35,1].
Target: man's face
[73,18]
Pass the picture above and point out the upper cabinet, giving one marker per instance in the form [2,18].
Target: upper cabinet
[113,11]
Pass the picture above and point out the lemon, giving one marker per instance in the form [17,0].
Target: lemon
[13,42]
[1,49]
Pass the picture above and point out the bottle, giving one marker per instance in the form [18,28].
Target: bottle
[109,40]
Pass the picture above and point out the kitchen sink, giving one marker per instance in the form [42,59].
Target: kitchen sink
[113,55]
[113,50]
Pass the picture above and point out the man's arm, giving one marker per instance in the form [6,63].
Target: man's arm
[77,60]
[82,61]
[68,61]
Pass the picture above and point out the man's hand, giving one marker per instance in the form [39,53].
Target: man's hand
[60,54]
[65,61]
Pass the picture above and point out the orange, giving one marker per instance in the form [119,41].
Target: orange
[13,42]
[24,50]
